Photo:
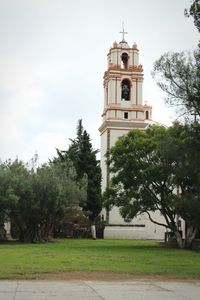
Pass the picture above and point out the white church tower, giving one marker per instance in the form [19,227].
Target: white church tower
[124,110]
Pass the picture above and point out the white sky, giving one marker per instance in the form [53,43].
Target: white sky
[53,54]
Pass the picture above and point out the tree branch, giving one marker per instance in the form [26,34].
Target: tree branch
[155,222]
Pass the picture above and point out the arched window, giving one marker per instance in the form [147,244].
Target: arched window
[124,64]
[125,90]
[147,115]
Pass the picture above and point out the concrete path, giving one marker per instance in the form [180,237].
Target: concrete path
[99,290]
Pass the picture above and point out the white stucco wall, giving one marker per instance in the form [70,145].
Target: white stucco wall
[115,134]
[133,94]
[125,103]
[150,231]
[136,58]
[140,115]
[140,101]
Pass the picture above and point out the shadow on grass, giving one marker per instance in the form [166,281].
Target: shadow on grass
[97,245]
[117,245]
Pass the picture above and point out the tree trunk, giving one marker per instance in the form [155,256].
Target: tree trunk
[190,236]
[179,239]
[93,231]
[2,233]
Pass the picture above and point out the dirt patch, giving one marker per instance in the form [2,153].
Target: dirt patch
[106,276]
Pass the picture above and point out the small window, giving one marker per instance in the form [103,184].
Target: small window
[125,115]
[147,115]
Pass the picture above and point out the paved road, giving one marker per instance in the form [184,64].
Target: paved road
[99,290]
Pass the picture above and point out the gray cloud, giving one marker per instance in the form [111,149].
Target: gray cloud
[52,60]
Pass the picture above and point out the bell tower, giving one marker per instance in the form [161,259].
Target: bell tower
[124,110]
[123,101]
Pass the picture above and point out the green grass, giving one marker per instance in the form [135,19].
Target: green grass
[119,256]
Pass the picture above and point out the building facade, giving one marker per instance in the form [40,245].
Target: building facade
[124,110]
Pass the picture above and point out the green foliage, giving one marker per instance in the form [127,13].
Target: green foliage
[178,74]
[194,11]
[34,199]
[148,166]
[83,157]
[187,156]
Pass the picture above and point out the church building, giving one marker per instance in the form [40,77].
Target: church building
[124,110]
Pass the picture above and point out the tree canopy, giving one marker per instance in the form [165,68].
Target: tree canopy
[33,199]
[194,11]
[178,74]
[148,167]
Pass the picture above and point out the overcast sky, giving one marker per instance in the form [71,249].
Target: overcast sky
[53,54]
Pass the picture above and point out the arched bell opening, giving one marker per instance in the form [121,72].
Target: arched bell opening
[126,90]
[124,62]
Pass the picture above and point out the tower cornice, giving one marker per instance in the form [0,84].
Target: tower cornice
[122,125]
[132,68]
[134,108]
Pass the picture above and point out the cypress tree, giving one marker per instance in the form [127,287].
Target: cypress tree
[83,156]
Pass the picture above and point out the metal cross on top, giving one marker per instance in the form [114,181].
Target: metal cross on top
[123,32]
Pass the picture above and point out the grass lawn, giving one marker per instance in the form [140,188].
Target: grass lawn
[119,256]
